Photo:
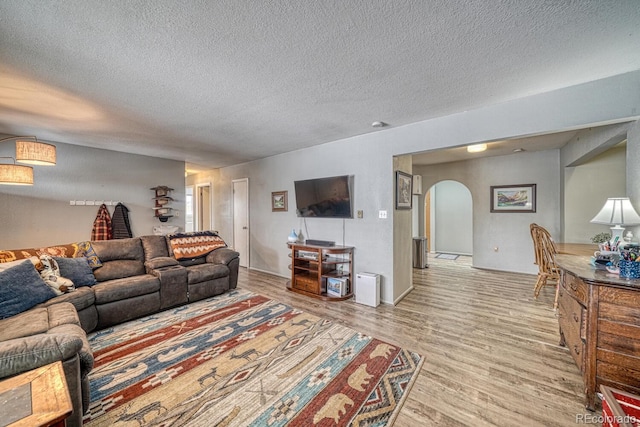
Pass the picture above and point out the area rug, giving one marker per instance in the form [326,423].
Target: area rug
[447,256]
[241,359]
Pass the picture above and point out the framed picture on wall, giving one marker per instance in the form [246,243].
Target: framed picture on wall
[279,201]
[404,182]
[513,198]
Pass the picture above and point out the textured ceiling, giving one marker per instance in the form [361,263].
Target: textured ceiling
[227,81]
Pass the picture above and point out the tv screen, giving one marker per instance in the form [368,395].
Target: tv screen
[324,197]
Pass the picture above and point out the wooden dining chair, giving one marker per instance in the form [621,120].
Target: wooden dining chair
[545,258]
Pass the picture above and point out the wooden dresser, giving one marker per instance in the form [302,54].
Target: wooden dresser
[599,317]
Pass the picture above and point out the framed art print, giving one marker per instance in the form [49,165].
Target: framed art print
[404,182]
[513,198]
[279,201]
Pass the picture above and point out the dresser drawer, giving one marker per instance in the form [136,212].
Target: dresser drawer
[575,287]
[571,318]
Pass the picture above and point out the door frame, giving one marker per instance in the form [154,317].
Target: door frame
[196,205]
[233,216]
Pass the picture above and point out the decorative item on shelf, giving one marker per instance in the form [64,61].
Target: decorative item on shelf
[162,199]
[617,212]
[30,151]
[300,236]
[293,237]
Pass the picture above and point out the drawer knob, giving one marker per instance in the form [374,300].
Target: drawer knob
[573,286]
[576,349]
[575,317]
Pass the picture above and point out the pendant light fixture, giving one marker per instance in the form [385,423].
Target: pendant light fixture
[13,174]
[35,152]
[28,150]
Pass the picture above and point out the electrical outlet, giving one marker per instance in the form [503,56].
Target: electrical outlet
[360,214]
[382,214]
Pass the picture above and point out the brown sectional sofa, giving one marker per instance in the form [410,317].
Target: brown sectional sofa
[138,276]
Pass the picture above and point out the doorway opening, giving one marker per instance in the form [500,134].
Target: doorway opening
[203,207]
[448,218]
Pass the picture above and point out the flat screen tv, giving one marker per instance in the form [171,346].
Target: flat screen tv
[324,197]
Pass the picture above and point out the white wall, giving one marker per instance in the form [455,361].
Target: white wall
[509,232]
[369,158]
[587,187]
[40,215]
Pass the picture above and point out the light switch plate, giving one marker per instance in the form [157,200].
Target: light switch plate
[382,214]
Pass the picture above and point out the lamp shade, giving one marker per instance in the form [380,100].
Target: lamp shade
[16,175]
[617,211]
[35,153]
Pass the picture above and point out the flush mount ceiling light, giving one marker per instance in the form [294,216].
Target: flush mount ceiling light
[476,148]
[378,124]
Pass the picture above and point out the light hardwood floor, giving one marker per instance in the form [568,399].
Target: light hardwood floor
[491,350]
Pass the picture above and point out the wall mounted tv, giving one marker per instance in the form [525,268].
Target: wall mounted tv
[324,197]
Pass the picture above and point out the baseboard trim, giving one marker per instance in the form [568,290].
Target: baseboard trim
[404,294]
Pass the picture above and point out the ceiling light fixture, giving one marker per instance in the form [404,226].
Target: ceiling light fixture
[13,174]
[35,152]
[519,150]
[378,124]
[28,150]
[476,148]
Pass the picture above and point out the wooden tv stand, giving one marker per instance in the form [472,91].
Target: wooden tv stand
[312,265]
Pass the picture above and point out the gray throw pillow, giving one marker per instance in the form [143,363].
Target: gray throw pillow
[77,270]
[22,288]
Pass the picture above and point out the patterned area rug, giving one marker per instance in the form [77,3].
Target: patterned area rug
[241,359]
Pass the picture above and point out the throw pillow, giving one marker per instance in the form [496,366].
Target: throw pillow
[50,273]
[195,244]
[6,265]
[86,250]
[77,270]
[22,288]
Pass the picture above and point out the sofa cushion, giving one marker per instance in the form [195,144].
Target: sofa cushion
[204,272]
[37,321]
[121,249]
[77,270]
[194,244]
[22,288]
[81,298]
[118,269]
[119,289]
[154,246]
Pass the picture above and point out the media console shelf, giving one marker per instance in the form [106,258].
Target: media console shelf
[312,266]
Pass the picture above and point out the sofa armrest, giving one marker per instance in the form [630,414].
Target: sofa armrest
[24,354]
[159,262]
[222,256]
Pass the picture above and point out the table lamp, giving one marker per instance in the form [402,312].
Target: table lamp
[617,212]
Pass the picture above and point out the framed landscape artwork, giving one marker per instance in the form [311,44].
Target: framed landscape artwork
[513,198]
[404,182]
[279,201]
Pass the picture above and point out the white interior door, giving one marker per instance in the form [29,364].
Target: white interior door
[241,219]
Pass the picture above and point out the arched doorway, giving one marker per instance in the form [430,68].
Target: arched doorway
[449,218]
